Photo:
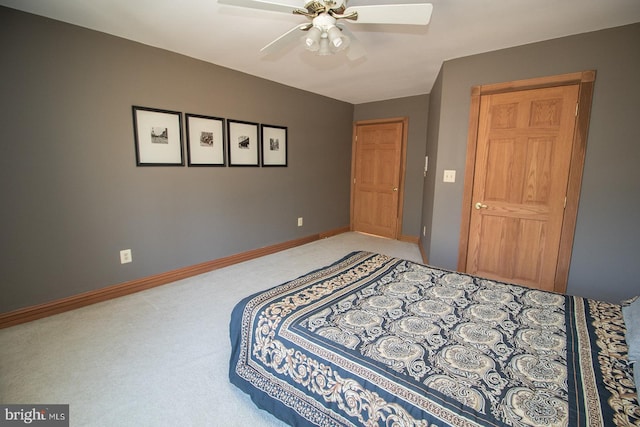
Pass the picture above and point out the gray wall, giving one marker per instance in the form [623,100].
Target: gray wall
[415,108]
[73,196]
[605,262]
[428,194]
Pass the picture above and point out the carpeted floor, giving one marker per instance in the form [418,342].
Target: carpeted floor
[158,357]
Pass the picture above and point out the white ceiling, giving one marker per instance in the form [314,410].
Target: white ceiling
[400,61]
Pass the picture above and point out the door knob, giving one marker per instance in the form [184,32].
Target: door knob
[395,188]
[479,205]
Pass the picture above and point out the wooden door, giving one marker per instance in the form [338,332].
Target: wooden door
[377,169]
[523,157]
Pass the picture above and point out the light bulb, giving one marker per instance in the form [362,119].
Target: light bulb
[312,41]
[324,47]
[338,40]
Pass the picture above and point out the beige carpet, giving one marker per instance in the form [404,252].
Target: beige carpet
[158,357]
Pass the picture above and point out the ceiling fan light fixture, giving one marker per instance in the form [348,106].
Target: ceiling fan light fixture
[323,36]
[312,39]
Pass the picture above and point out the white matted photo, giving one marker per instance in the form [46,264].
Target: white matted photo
[158,137]
[242,143]
[274,145]
[205,140]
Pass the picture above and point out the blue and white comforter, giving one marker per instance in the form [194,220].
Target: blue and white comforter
[378,341]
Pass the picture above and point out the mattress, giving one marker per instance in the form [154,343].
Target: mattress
[373,340]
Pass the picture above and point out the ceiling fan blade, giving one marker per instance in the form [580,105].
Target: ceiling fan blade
[407,14]
[355,50]
[285,39]
[274,6]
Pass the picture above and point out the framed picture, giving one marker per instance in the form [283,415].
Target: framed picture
[158,137]
[242,140]
[205,140]
[274,145]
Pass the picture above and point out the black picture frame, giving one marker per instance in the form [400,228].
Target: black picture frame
[274,151]
[243,143]
[205,140]
[158,137]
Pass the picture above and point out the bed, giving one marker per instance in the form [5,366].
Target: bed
[374,340]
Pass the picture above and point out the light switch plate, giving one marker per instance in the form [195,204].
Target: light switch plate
[449,176]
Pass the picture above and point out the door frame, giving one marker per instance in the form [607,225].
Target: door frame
[403,165]
[586,81]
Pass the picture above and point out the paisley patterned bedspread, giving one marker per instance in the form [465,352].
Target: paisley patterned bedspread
[378,341]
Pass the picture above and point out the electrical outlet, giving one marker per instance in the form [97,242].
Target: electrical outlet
[125,256]
[300,222]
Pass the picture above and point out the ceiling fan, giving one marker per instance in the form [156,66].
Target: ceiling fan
[326,33]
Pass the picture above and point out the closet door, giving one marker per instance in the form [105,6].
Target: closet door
[377,170]
[522,165]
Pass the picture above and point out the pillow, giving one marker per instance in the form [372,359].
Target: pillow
[631,315]
[636,378]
